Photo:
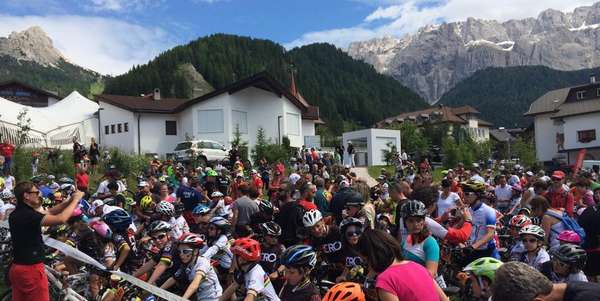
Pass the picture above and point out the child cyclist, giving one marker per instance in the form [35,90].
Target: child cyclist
[250,280]
[271,250]
[481,273]
[299,260]
[533,240]
[517,223]
[566,265]
[161,261]
[345,291]
[195,274]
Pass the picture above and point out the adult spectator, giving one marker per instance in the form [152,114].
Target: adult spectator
[110,176]
[446,199]
[559,196]
[503,193]
[339,199]
[94,154]
[322,197]
[243,208]
[290,215]
[82,180]
[78,152]
[27,274]
[518,281]
[475,175]
[7,150]
[307,193]
[351,153]
[190,197]
[551,220]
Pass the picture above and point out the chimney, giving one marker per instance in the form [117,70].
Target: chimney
[156,94]
[592,78]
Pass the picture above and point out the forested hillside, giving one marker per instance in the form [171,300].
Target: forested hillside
[503,95]
[346,90]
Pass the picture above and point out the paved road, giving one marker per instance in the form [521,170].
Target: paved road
[362,173]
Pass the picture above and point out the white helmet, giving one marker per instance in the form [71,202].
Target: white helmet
[165,208]
[311,218]
[534,230]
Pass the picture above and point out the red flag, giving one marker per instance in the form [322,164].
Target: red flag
[579,160]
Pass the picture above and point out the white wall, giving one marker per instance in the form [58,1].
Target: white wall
[52,100]
[308,127]
[126,141]
[545,137]
[295,140]
[578,123]
[189,117]
[377,140]
[153,134]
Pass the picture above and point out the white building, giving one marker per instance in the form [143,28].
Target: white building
[566,121]
[152,124]
[371,143]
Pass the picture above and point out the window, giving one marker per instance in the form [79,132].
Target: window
[239,118]
[580,94]
[216,146]
[119,128]
[210,121]
[293,124]
[171,128]
[106,130]
[586,136]
[126,127]
[112,128]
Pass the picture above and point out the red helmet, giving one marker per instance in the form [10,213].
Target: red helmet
[191,239]
[247,248]
[520,221]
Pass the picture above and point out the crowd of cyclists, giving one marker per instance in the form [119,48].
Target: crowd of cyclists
[312,230]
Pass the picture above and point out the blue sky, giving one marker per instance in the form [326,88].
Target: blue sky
[112,35]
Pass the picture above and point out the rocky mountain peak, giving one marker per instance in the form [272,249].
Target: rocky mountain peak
[435,58]
[32,44]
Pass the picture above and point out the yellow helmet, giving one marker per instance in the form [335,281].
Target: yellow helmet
[146,203]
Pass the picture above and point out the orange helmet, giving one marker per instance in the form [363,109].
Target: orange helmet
[246,248]
[345,291]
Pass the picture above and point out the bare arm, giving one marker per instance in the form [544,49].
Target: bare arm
[227,293]
[386,296]
[122,257]
[489,234]
[147,267]
[170,282]
[159,269]
[432,267]
[193,287]
[65,214]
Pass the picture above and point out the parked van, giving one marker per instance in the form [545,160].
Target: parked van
[204,150]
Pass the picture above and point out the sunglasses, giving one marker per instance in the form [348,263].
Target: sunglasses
[352,233]
[186,251]
[159,237]
[531,240]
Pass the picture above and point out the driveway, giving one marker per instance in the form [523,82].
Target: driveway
[363,174]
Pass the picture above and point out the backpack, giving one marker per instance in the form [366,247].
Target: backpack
[570,224]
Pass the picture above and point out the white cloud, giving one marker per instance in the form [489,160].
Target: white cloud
[106,45]
[407,16]
[122,5]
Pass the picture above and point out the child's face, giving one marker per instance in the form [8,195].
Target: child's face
[530,242]
[559,267]
[186,253]
[270,240]
[293,275]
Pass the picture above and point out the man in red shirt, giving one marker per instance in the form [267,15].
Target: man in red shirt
[308,191]
[7,150]
[560,197]
[82,180]
[256,181]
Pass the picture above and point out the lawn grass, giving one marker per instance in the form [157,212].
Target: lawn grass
[375,171]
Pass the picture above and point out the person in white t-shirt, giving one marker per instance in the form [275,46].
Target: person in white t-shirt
[9,182]
[503,193]
[447,199]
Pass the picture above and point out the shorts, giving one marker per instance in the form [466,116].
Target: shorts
[29,282]
[592,266]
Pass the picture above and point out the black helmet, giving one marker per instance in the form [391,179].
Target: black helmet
[266,207]
[299,256]
[350,221]
[572,254]
[270,228]
[413,208]
[355,199]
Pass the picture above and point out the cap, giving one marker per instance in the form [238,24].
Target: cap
[529,173]
[142,184]
[558,174]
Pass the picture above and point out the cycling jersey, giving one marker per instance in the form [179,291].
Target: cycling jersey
[165,255]
[270,257]
[210,289]
[219,251]
[305,291]
[330,245]
[484,218]
[133,260]
[427,250]
[257,280]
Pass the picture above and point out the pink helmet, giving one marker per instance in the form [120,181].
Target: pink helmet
[101,228]
[569,236]
[76,212]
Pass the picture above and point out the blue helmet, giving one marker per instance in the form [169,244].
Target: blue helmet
[201,209]
[299,256]
[118,219]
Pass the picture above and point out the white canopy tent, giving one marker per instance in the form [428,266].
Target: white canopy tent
[52,126]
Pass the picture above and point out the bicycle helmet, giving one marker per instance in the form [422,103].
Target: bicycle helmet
[65,180]
[350,221]
[6,194]
[520,221]
[211,173]
[355,199]
[165,208]
[534,230]
[118,219]
[191,239]
[270,228]
[311,218]
[146,202]
[473,186]
[246,248]
[569,236]
[484,267]
[345,291]
[299,256]
[57,230]
[101,228]
[571,254]
[413,208]
[68,188]
[47,202]
[216,194]
[201,209]
[266,207]
[221,223]
[159,226]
